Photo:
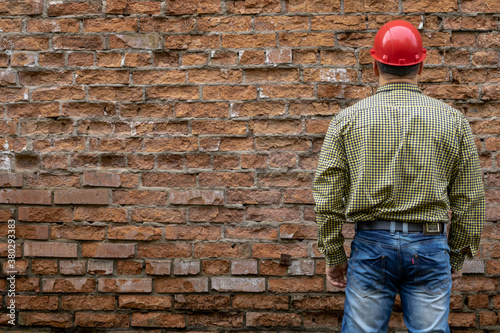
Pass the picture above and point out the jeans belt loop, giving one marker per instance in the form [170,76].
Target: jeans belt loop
[405,228]
[393,228]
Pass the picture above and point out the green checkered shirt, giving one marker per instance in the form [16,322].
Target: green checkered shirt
[399,156]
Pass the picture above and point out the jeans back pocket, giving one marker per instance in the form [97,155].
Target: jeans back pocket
[366,271]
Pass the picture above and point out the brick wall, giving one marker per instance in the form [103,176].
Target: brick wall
[158,156]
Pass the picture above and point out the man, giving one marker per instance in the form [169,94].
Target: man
[396,163]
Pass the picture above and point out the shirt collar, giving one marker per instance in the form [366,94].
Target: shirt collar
[398,86]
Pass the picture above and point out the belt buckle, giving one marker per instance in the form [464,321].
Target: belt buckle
[432,228]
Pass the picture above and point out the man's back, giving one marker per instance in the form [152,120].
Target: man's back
[402,149]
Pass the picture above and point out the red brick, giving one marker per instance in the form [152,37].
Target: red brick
[36,302]
[295,231]
[477,301]
[101,267]
[45,319]
[133,7]
[244,267]
[181,285]
[477,6]
[253,7]
[105,214]
[228,179]
[41,214]
[280,214]
[5,215]
[137,197]
[78,232]
[72,285]
[253,197]
[221,250]
[158,250]
[125,285]
[171,144]
[275,250]
[196,197]
[161,215]
[91,319]
[142,233]
[44,267]
[273,319]
[288,23]
[295,285]
[215,267]
[43,249]
[216,319]
[475,283]
[81,197]
[108,250]
[284,180]
[237,93]
[258,233]
[322,6]
[186,267]
[183,42]
[318,302]
[36,197]
[192,233]
[462,319]
[72,267]
[11,180]
[20,266]
[158,320]
[202,302]
[260,302]
[227,284]
[109,179]
[145,302]
[129,267]
[429,6]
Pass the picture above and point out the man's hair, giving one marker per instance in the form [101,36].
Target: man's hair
[398,70]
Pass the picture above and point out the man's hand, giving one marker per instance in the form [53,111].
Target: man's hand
[335,275]
[456,275]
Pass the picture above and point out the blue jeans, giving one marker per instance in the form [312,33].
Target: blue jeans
[381,264]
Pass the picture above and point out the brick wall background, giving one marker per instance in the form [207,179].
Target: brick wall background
[158,156]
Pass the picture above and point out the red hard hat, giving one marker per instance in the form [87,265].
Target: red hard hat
[398,43]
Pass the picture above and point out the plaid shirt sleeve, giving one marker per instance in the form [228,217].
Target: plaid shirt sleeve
[329,191]
[467,202]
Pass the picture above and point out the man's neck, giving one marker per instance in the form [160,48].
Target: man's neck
[382,80]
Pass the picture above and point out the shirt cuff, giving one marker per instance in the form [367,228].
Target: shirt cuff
[334,259]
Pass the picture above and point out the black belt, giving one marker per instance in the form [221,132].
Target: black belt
[435,228]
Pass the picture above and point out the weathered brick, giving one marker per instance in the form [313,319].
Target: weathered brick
[145,302]
[72,267]
[45,319]
[142,233]
[181,285]
[201,302]
[70,285]
[25,302]
[101,267]
[253,7]
[50,249]
[78,232]
[132,7]
[192,232]
[36,197]
[158,250]
[81,197]
[244,267]
[221,250]
[227,284]
[273,319]
[87,319]
[125,285]
[295,285]
[108,250]
[196,197]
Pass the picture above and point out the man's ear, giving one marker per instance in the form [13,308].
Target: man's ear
[375,69]
[420,68]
